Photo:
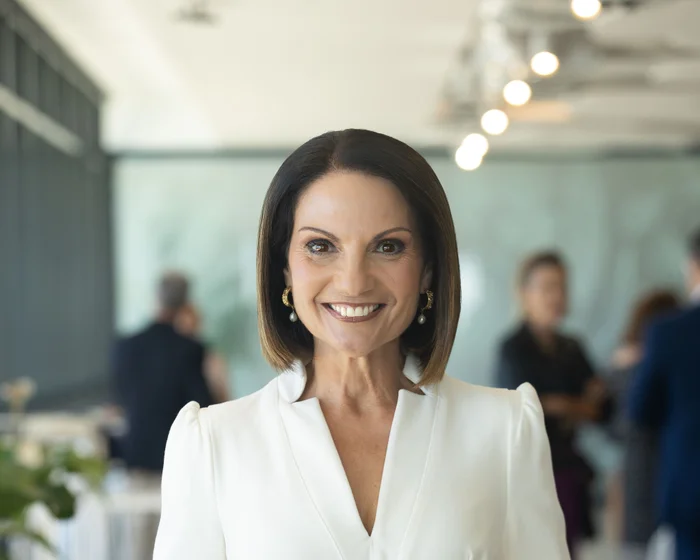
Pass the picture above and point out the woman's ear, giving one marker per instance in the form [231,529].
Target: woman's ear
[287,277]
[426,279]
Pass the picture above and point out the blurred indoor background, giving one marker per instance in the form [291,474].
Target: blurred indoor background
[140,137]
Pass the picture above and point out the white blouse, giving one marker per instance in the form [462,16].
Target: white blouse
[467,475]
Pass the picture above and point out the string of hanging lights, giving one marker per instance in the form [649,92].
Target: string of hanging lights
[516,92]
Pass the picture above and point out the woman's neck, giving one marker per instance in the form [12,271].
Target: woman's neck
[335,378]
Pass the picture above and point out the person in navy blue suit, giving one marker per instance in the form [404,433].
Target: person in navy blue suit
[155,373]
[666,395]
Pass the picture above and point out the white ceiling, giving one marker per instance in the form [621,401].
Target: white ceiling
[272,73]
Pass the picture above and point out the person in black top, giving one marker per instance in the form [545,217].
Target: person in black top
[556,365]
[156,372]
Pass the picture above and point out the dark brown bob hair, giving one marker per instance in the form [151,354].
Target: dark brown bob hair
[377,155]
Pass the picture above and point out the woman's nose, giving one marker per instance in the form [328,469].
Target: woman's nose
[354,276]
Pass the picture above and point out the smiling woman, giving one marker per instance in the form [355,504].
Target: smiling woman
[359,181]
[362,448]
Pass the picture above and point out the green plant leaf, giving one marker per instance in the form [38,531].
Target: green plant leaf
[6,452]
[17,489]
[13,503]
[42,475]
[21,486]
[60,501]
[91,469]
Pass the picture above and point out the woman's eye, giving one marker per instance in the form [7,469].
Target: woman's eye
[319,246]
[391,247]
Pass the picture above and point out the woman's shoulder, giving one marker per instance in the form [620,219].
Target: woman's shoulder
[232,416]
[242,409]
[459,389]
[494,421]
[484,401]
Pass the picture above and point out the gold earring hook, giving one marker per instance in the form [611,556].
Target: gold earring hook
[293,317]
[428,305]
[431,299]
[285,297]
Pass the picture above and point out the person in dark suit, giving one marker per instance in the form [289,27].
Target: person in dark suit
[156,372]
[666,395]
[556,365]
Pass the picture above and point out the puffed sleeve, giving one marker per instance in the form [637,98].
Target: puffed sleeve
[189,525]
[534,520]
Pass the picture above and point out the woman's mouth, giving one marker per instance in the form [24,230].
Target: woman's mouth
[353,313]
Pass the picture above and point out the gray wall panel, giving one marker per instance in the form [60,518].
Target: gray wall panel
[55,281]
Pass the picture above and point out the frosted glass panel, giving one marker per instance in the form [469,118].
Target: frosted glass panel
[621,223]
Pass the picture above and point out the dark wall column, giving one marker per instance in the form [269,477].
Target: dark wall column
[56,316]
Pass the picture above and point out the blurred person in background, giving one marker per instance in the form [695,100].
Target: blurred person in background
[665,395]
[633,489]
[557,366]
[155,373]
[189,323]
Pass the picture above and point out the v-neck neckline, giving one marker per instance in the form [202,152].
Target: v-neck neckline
[326,481]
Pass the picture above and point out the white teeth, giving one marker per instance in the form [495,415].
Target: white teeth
[347,311]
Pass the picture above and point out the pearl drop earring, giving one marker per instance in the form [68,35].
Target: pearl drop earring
[428,305]
[293,317]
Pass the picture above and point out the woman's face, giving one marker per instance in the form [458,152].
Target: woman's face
[544,296]
[354,264]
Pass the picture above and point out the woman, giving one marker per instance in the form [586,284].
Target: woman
[361,449]
[640,447]
[557,367]
[188,322]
